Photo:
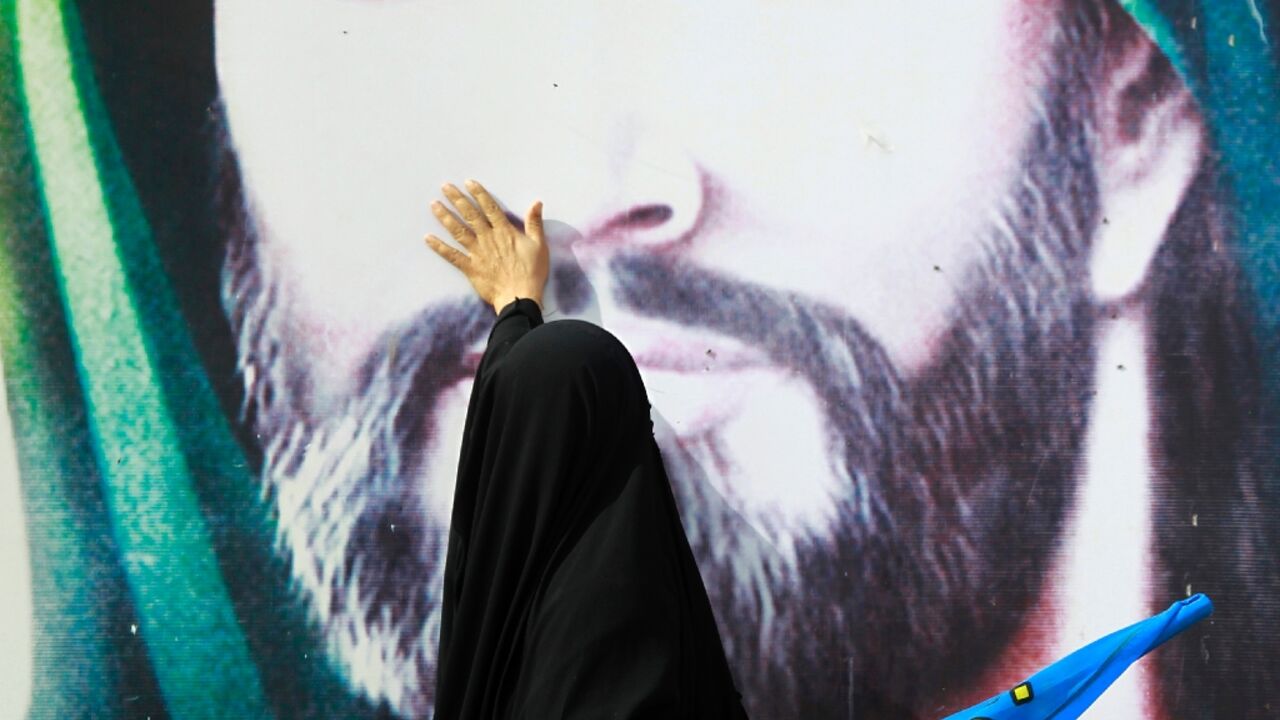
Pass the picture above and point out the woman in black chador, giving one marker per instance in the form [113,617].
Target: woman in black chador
[570,589]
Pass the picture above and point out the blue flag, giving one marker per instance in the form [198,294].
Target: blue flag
[1067,688]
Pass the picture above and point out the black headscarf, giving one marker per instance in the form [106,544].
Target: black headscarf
[570,588]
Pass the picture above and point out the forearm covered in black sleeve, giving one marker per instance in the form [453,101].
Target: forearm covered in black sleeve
[516,318]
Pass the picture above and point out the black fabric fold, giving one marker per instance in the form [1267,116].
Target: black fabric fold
[570,588]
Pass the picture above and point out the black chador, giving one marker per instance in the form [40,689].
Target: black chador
[570,588]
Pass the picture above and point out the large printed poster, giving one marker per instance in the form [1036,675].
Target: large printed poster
[958,320]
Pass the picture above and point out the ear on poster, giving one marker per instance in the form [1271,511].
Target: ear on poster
[1150,143]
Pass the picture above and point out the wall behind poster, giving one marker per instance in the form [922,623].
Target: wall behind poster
[957,324]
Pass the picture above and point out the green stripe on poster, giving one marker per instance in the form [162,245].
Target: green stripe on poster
[198,651]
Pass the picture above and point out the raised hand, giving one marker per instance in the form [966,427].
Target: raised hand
[501,262]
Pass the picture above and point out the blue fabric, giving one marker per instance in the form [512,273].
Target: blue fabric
[1067,688]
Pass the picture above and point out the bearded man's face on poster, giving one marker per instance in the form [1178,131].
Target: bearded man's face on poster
[868,257]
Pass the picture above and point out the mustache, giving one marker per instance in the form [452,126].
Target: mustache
[824,344]
[795,332]
[785,325]
[424,354]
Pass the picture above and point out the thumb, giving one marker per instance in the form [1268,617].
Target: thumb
[533,222]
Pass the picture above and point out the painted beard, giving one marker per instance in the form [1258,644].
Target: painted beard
[956,480]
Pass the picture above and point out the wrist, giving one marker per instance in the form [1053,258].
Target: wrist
[505,299]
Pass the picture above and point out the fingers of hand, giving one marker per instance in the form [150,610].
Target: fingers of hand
[466,208]
[454,256]
[456,227]
[533,222]
[492,210]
